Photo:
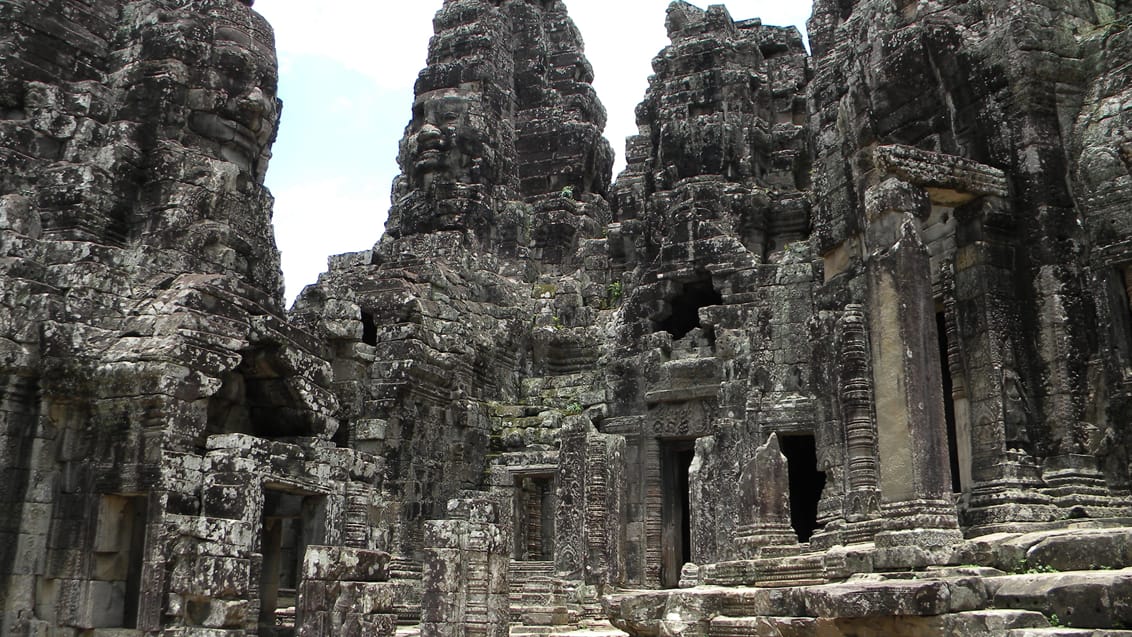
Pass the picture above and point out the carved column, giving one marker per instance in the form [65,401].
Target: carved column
[1003,476]
[356,524]
[589,522]
[914,471]
[569,519]
[855,394]
[604,509]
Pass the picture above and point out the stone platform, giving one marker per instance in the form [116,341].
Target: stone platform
[1054,582]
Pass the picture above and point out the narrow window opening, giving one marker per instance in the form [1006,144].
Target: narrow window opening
[341,438]
[535,503]
[676,545]
[258,398]
[806,483]
[369,328]
[949,405]
[685,308]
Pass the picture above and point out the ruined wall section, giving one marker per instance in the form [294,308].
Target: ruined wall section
[162,420]
[953,131]
[1102,185]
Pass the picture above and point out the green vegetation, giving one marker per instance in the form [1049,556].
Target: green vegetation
[613,294]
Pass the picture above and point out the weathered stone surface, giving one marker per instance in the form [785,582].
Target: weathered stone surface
[332,563]
[839,310]
[879,599]
[1079,599]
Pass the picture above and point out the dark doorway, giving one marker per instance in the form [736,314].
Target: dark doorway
[676,517]
[119,552]
[139,511]
[806,483]
[685,314]
[290,522]
[535,503]
[949,404]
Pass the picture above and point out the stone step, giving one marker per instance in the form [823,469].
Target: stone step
[523,630]
[596,629]
[548,616]
[1094,599]
[575,629]
[759,626]
[1067,632]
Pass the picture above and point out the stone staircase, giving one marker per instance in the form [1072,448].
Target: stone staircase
[545,606]
[537,598]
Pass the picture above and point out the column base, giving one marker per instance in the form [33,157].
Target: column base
[917,533]
[767,540]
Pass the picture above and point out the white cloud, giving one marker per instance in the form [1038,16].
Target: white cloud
[317,219]
[387,41]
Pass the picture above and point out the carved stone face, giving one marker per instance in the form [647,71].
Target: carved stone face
[446,142]
[246,81]
[248,113]
[222,53]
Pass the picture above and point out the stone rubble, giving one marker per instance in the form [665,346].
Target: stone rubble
[845,350]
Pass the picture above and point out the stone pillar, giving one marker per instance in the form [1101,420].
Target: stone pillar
[465,571]
[1071,472]
[569,519]
[764,495]
[921,524]
[345,591]
[589,522]
[604,509]
[1003,477]
[855,395]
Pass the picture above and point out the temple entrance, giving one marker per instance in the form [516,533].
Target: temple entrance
[806,482]
[290,522]
[119,552]
[535,503]
[949,407]
[676,517]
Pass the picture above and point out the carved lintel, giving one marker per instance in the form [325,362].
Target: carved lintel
[948,179]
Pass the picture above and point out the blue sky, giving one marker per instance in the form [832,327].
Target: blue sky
[346,79]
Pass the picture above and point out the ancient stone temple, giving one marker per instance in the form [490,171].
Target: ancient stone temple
[846,350]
